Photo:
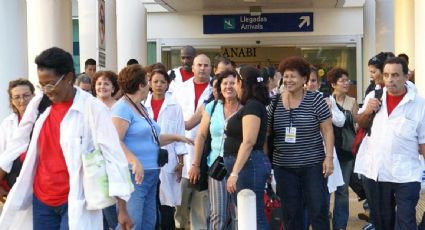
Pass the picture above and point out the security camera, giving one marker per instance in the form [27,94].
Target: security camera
[258,42]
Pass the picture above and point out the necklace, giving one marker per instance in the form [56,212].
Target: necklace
[228,112]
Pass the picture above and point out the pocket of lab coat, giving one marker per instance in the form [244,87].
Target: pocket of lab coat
[405,128]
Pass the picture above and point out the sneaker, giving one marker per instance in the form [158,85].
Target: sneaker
[368,226]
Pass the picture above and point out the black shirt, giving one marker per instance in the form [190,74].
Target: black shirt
[233,130]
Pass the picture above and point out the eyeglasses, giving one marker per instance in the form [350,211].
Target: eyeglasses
[24,97]
[48,88]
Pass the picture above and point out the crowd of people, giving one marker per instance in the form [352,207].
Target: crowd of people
[179,145]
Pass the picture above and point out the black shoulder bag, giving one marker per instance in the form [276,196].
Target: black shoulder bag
[271,137]
[202,183]
[163,153]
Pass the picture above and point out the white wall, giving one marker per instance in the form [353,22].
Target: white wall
[338,21]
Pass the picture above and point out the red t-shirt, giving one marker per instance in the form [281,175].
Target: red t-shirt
[51,181]
[185,75]
[156,107]
[393,101]
[199,89]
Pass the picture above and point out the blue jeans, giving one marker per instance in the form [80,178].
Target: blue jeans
[253,175]
[341,208]
[303,186]
[142,204]
[46,217]
[110,217]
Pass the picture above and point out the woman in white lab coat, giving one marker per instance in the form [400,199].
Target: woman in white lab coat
[168,114]
[62,127]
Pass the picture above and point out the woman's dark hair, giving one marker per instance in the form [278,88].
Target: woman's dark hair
[379,60]
[15,83]
[157,68]
[334,75]
[56,59]
[131,77]
[220,77]
[298,64]
[267,73]
[111,76]
[253,85]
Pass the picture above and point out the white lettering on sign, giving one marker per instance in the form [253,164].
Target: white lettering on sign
[252,23]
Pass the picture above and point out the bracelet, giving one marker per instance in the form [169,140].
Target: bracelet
[196,165]
[181,163]
[234,175]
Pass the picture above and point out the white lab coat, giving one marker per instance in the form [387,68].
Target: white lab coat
[18,207]
[170,119]
[7,128]
[391,152]
[178,80]
[184,95]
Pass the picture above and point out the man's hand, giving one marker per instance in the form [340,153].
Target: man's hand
[373,105]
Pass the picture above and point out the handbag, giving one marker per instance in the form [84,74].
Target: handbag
[217,170]
[95,177]
[162,153]
[202,183]
[344,136]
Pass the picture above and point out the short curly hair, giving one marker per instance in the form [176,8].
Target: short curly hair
[334,75]
[220,77]
[298,64]
[131,77]
[111,76]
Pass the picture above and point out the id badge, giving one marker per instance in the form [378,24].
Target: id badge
[291,135]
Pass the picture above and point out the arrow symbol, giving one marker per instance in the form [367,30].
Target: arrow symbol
[305,20]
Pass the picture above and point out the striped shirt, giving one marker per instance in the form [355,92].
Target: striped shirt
[308,148]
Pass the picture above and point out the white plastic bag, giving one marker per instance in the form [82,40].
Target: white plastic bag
[95,177]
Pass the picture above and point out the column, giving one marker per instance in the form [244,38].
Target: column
[13,46]
[385,25]
[404,29]
[87,28]
[49,24]
[369,41]
[111,35]
[131,32]
[419,47]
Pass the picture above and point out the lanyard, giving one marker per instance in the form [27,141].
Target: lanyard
[144,115]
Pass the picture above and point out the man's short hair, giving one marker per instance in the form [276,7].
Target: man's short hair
[57,60]
[403,55]
[221,59]
[132,61]
[83,78]
[89,61]
[398,60]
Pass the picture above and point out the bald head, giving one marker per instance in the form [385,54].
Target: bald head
[201,68]
[187,53]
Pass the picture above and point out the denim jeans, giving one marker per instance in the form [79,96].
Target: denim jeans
[370,188]
[46,217]
[110,217]
[253,175]
[341,208]
[299,186]
[142,204]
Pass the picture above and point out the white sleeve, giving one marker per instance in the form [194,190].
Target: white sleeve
[370,95]
[116,163]
[338,117]
[180,147]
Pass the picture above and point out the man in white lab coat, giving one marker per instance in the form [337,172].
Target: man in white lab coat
[389,157]
[190,95]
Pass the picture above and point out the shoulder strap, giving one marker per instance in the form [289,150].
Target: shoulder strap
[172,74]
[274,105]
[378,95]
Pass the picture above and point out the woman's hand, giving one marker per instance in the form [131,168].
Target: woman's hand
[123,218]
[186,140]
[194,174]
[137,170]
[328,166]
[231,183]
